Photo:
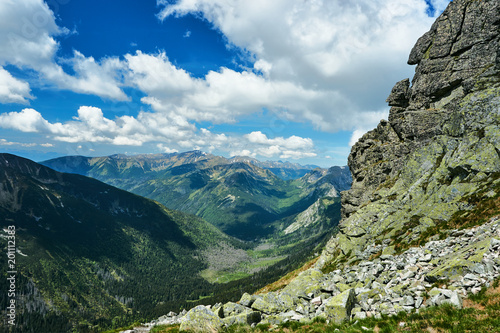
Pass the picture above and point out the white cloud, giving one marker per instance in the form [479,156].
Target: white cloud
[102,78]
[91,126]
[293,142]
[169,134]
[26,33]
[4,142]
[293,154]
[327,62]
[28,120]
[13,90]
[294,147]
[27,40]
[165,149]
[244,152]
[356,135]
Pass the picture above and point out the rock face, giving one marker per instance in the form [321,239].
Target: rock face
[441,143]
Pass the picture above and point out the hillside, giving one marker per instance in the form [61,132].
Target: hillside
[420,226]
[237,196]
[90,255]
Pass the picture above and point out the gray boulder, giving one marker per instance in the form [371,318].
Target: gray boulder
[338,308]
[200,319]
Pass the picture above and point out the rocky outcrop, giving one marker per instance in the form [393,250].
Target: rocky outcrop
[441,143]
[201,319]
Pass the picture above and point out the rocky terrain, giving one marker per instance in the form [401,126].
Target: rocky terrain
[463,262]
[416,228]
[441,144]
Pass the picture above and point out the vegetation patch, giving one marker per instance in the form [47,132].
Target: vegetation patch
[284,281]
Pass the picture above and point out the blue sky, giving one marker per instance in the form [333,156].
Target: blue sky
[285,79]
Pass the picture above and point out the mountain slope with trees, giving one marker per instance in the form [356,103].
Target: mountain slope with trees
[239,197]
[91,255]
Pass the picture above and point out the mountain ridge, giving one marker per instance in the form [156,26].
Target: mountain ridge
[187,157]
[238,196]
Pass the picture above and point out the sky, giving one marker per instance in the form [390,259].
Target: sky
[295,80]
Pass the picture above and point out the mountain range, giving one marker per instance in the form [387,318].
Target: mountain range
[89,254]
[236,195]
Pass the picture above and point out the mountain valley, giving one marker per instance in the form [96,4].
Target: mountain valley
[236,195]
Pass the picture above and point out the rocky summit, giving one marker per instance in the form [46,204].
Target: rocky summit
[410,235]
[440,147]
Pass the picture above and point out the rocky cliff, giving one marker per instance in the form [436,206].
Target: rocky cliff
[441,144]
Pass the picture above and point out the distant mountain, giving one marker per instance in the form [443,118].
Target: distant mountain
[90,254]
[284,170]
[236,195]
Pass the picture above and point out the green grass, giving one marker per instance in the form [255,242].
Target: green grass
[213,276]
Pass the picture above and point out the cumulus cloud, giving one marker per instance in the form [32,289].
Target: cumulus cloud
[13,90]
[166,149]
[331,63]
[102,78]
[27,40]
[294,147]
[293,142]
[222,96]
[28,120]
[4,142]
[91,126]
[26,33]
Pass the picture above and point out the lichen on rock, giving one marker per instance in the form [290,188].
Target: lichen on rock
[441,142]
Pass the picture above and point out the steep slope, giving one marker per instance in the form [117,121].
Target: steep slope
[90,255]
[438,155]
[239,197]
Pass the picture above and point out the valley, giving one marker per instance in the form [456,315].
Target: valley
[236,195]
[89,253]
[275,217]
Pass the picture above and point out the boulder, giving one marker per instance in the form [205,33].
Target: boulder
[307,282]
[247,318]
[268,303]
[231,309]
[200,319]
[247,299]
[338,308]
